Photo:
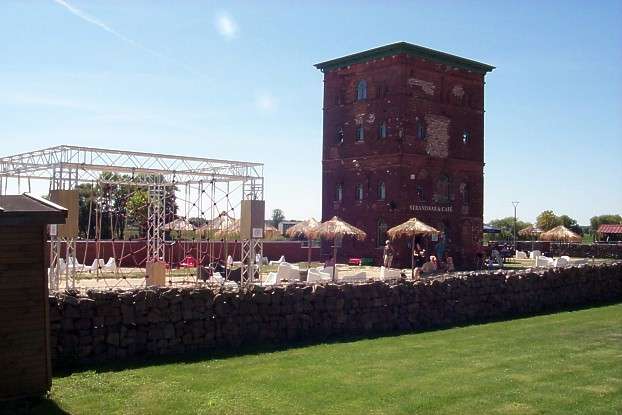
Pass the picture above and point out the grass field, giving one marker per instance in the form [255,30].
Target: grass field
[566,363]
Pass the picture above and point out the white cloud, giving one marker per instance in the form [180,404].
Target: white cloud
[226,26]
[265,102]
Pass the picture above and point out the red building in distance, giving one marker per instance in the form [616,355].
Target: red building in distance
[404,136]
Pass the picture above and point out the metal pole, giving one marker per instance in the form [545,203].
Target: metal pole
[515,205]
[412,259]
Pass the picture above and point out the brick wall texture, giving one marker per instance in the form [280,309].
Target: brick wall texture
[405,94]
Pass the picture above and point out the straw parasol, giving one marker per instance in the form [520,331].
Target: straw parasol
[306,229]
[179,224]
[530,231]
[413,227]
[270,231]
[560,233]
[334,229]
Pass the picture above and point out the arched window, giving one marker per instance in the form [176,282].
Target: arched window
[382,191]
[360,133]
[381,232]
[382,130]
[358,192]
[338,192]
[464,194]
[420,130]
[442,189]
[339,136]
[361,90]
[466,137]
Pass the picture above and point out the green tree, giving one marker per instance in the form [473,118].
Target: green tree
[507,228]
[571,224]
[137,210]
[277,217]
[547,220]
[197,222]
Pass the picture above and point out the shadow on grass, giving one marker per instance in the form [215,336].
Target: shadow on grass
[31,406]
[249,350]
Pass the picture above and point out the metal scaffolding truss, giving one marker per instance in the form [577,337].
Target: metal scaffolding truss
[68,166]
[204,186]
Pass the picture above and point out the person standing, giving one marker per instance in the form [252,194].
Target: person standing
[388,254]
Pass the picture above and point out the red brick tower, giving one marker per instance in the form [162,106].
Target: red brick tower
[404,137]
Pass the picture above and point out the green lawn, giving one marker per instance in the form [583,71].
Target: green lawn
[566,363]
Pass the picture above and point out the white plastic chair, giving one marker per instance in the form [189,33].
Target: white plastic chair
[520,255]
[97,263]
[74,262]
[534,254]
[111,265]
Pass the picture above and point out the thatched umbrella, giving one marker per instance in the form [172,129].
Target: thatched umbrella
[306,229]
[532,232]
[179,224]
[270,231]
[337,228]
[560,233]
[413,227]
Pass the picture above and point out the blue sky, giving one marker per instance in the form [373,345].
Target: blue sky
[235,80]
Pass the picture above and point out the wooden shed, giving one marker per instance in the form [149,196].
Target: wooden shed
[25,368]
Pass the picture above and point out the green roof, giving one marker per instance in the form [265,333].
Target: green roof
[409,49]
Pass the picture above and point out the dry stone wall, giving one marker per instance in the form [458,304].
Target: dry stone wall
[101,326]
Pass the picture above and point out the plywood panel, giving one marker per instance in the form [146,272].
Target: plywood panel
[69,199]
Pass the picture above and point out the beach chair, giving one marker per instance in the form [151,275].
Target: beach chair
[359,277]
[272,279]
[562,262]
[279,262]
[389,273]
[544,262]
[315,276]
[288,272]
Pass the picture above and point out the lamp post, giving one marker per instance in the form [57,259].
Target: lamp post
[515,205]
